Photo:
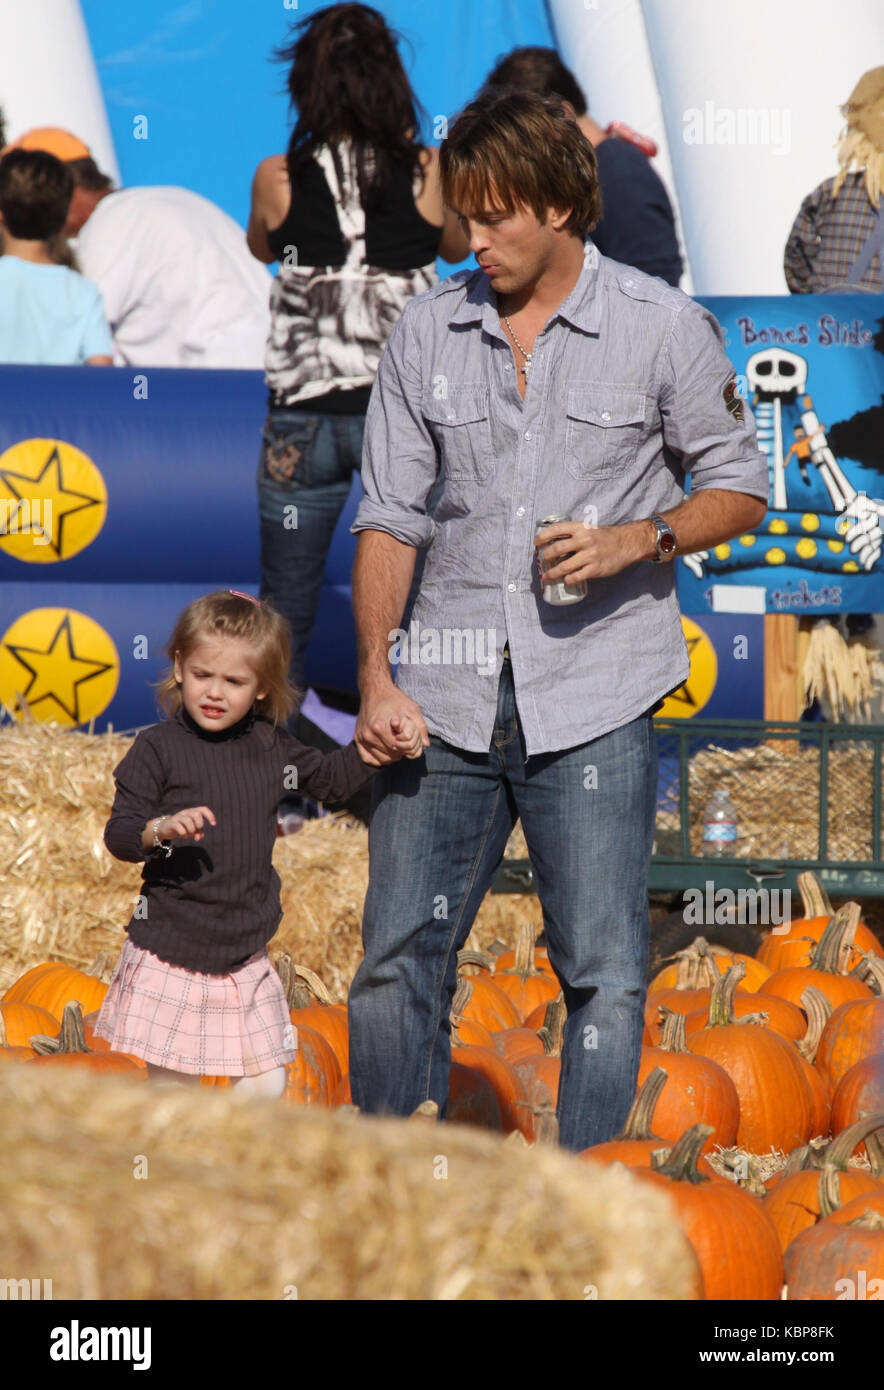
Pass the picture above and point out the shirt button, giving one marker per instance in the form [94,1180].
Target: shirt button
[527,434]
[630,283]
[512,588]
[606,414]
[520,511]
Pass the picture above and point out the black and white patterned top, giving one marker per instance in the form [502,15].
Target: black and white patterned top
[343,278]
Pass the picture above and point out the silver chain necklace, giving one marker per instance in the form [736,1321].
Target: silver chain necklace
[526,367]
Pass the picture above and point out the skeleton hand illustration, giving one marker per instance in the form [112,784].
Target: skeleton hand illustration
[865,536]
[694,562]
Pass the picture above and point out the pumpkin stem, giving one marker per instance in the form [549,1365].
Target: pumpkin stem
[523,963]
[102,967]
[814,898]
[870,971]
[870,1220]
[301,984]
[72,1037]
[459,1004]
[843,1145]
[721,1005]
[474,962]
[832,954]
[674,1038]
[641,1112]
[681,1165]
[696,969]
[551,1032]
[875,1154]
[818,1008]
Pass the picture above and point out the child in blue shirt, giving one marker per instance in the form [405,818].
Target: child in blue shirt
[49,314]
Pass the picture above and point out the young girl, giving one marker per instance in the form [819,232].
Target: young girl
[194,992]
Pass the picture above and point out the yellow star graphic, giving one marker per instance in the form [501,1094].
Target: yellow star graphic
[54,671]
[683,696]
[52,492]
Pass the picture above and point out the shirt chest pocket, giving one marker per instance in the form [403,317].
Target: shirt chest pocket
[459,423]
[605,426]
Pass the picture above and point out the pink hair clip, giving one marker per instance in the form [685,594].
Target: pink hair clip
[237,593]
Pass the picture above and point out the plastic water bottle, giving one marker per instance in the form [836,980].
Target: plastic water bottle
[719,825]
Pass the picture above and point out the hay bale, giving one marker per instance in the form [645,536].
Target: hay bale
[251,1201]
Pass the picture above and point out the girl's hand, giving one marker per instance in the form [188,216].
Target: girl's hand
[184,823]
[407,736]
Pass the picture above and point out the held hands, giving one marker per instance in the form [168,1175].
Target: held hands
[390,726]
[407,735]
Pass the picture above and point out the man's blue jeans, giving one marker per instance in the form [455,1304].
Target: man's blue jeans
[438,830]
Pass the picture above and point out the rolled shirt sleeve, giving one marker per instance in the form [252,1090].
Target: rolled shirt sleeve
[706,425]
[139,782]
[399,459]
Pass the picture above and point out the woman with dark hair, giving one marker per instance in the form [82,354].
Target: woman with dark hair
[354,216]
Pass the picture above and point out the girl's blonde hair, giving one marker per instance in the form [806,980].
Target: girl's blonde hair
[225,614]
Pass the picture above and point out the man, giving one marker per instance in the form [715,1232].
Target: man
[549,381]
[179,285]
[636,225]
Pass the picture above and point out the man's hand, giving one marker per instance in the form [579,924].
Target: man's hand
[386,725]
[595,551]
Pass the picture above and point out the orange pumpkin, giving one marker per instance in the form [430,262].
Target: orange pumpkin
[827,969]
[698,1091]
[69,1048]
[312,1077]
[784,1018]
[515,1111]
[540,1071]
[636,1143]
[311,1006]
[854,1031]
[487,1004]
[523,982]
[860,1091]
[467,1032]
[825,1262]
[699,965]
[53,984]
[776,1104]
[801,1198]
[779,950]
[472,1099]
[18,1022]
[732,1235]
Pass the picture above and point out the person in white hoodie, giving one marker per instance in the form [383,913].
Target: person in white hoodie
[179,285]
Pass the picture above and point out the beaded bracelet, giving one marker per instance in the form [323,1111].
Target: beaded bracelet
[159,844]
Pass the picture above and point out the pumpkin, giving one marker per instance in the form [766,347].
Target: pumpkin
[523,982]
[311,1005]
[53,984]
[857,1206]
[506,959]
[733,1237]
[540,1072]
[312,1077]
[800,1199]
[675,1000]
[19,1021]
[635,1143]
[69,1048]
[827,970]
[699,1091]
[860,1091]
[854,1031]
[779,950]
[837,1260]
[699,965]
[515,1044]
[776,1103]
[537,1017]
[472,1099]
[516,1113]
[489,1005]
[466,1032]
[818,1010]
[784,1018]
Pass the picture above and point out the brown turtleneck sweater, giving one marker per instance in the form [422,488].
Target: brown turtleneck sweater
[211,905]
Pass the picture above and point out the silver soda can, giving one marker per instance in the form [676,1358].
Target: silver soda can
[559,591]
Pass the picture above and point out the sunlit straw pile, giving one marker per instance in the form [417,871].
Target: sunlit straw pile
[64,897]
[98,1180]
[775,788]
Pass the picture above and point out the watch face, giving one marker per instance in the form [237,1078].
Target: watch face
[667,542]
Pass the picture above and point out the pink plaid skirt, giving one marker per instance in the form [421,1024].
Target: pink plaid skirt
[210,1025]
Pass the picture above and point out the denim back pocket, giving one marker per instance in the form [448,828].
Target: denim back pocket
[287,448]
[605,428]
[459,424]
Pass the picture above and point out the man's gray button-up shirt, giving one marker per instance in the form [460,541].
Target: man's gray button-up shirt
[625,396]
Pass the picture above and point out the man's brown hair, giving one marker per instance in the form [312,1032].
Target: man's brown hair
[511,149]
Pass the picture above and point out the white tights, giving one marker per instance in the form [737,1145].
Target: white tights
[268,1086]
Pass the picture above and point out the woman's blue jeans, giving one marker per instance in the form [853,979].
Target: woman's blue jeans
[305,472]
[438,831]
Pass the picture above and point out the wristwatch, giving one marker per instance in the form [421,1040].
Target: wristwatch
[666,543]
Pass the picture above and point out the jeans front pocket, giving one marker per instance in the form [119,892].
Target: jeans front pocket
[287,449]
[605,428]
